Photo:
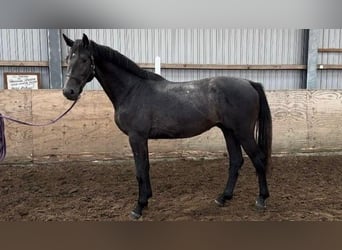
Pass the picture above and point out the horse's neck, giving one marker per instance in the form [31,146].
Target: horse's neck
[116,82]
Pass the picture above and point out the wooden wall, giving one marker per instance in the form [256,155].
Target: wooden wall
[303,122]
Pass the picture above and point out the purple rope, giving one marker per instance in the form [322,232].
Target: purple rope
[2,128]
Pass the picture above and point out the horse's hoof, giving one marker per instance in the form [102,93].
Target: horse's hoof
[219,202]
[260,204]
[135,215]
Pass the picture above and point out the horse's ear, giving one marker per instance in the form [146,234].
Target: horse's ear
[85,40]
[68,41]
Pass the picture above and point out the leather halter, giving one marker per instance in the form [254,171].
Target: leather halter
[92,73]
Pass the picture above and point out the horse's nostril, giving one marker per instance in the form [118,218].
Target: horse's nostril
[69,93]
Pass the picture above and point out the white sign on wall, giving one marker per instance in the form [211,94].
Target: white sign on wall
[22,80]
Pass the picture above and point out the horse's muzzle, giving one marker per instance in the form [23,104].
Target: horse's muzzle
[70,94]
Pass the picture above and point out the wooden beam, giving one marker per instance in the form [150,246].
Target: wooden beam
[330,50]
[24,63]
[226,66]
[190,66]
[329,66]
[222,66]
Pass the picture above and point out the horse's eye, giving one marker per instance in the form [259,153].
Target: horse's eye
[73,55]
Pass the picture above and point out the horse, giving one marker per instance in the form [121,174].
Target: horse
[148,106]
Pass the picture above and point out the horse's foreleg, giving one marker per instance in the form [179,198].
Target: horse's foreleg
[140,152]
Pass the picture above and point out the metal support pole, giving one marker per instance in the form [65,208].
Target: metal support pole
[55,59]
[311,79]
[157,69]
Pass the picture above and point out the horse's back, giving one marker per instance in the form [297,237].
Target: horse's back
[214,96]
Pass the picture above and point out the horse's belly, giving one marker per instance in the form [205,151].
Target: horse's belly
[181,130]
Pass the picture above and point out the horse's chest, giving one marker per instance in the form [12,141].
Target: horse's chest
[120,121]
[128,120]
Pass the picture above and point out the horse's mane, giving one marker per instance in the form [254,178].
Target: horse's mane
[123,61]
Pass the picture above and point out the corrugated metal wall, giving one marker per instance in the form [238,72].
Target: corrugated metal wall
[271,79]
[330,79]
[203,46]
[211,46]
[24,45]
[191,46]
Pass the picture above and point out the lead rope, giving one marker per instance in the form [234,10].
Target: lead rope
[2,128]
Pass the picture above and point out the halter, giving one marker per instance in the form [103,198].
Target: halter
[92,74]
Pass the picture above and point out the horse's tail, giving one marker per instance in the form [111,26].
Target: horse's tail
[264,128]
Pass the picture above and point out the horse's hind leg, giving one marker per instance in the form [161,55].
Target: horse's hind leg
[235,163]
[258,159]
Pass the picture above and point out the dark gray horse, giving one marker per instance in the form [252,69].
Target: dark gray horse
[147,106]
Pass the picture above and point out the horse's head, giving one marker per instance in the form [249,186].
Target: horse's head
[81,67]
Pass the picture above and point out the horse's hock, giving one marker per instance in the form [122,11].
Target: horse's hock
[303,122]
